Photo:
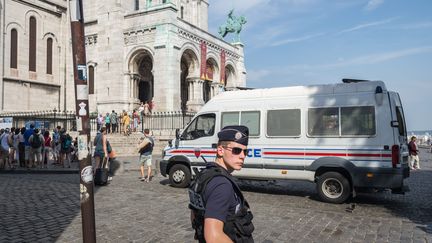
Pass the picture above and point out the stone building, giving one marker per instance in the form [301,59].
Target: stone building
[137,51]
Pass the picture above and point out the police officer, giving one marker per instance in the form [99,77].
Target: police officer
[219,211]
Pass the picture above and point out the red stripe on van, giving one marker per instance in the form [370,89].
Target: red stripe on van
[191,152]
[327,154]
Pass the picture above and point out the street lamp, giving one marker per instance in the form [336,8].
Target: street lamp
[55,111]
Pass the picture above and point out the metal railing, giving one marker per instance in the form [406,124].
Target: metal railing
[166,120]
[44,119]
[170,120]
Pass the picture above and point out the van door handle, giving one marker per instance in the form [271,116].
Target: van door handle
[214,145]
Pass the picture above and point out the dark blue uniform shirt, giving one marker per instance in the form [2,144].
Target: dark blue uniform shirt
[220,197]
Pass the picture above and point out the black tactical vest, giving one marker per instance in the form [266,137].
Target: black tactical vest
[238,226]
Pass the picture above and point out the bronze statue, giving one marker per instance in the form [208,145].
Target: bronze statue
[233,25]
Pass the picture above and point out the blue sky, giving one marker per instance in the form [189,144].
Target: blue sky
[302,42]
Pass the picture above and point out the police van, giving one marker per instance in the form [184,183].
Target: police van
[344,137]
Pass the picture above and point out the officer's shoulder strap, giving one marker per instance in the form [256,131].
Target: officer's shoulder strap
[209,173]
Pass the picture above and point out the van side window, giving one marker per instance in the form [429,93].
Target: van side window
[202,126]
[251,119]
[230,118]
[401,119]
[323,121]
[283,122]
[359,120]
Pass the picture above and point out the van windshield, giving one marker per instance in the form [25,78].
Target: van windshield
[201,126]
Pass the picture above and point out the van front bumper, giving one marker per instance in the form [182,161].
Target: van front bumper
[163,164]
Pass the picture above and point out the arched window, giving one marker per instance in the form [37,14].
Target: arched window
[49,56]
[32,45]
[91,79]
[136,4]
[181,12]
[14,49]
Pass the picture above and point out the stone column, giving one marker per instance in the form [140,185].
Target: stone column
[241,69]
[217,88]
[196,100]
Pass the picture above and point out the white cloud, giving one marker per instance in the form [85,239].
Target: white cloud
[341,62]
[367,25]
[373,4]
[383,57]
[298,39]
[363,60]
[420,25]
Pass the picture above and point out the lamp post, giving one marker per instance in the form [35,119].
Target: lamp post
[55,111]
[82,114]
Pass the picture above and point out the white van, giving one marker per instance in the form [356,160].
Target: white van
[344,137]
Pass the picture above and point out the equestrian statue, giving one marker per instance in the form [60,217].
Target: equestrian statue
[233,25]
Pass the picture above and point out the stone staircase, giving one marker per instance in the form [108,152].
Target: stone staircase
[127,145]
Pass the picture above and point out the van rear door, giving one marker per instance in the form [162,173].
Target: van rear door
[399,127]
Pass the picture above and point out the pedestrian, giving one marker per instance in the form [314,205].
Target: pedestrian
[136,120]
[126,123]
[37,146]
[4,147]
[65,149]
[108,122]
[56,145]
[413,154]
[16,141]
[21,148]
[113,118]
[10,141]
[141,112]
[28,156]
[99,121]
[219,212]
[146,109]
[100,151]
[145,149]
[151,106]
[47,150]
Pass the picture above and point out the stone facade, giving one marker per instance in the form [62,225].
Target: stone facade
[136,50]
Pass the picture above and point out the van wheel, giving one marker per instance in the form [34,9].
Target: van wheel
[333,187]
[179,176]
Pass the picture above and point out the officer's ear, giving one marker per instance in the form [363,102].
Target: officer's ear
[219,151]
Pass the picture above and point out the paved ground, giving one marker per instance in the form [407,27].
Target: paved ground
[45,208]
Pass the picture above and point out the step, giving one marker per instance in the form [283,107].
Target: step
[127,145]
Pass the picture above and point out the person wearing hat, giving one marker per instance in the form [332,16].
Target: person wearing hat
[219,212]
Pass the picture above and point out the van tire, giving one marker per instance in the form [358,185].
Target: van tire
[333,187]
[179,176]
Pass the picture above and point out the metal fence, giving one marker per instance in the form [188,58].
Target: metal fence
[66,119]
[166,120]
[46,119]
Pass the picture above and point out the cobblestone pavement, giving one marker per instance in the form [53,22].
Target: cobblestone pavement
[45,208]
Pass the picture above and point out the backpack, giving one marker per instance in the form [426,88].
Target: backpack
[10,139]
[113,118]
[67,143]
[36,141]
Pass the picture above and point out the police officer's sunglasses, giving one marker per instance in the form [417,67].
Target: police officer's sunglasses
[237,150]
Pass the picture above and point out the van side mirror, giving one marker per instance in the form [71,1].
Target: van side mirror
[394,124]
[179,133]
